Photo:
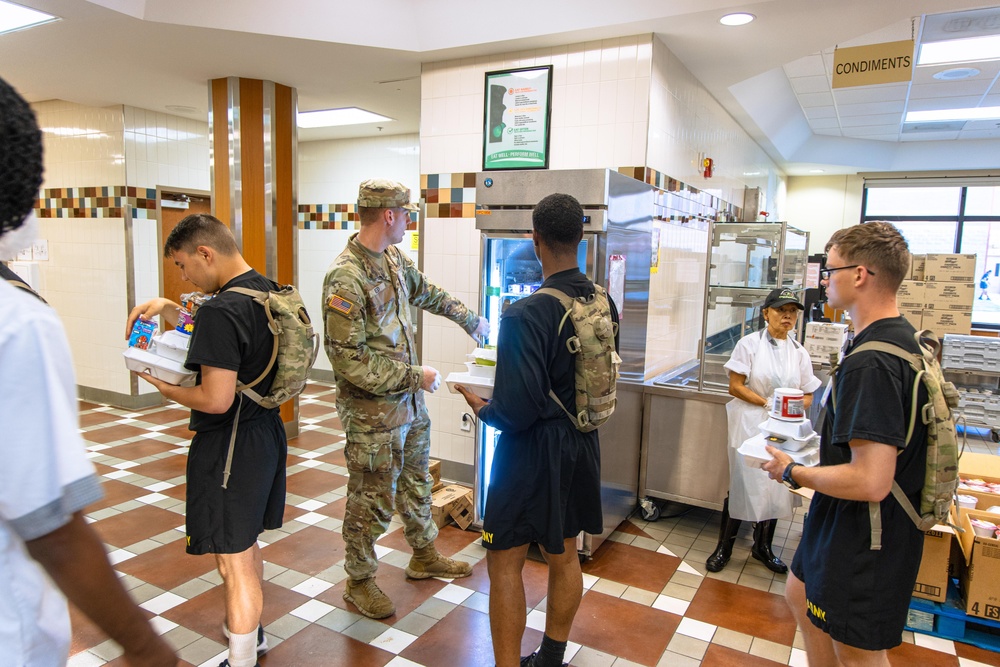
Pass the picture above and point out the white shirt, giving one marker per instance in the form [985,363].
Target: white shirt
[44,475]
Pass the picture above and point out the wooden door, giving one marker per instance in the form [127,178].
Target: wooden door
[173,285]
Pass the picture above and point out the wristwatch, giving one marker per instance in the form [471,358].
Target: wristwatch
[786,477]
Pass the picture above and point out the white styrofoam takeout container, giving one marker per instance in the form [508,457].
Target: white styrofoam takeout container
[171,344]
[162,368]
[479,385]
[755,454]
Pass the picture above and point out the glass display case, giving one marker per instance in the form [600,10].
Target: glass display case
[746,262]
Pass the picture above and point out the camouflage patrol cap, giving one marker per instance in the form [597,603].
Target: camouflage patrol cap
[383,193]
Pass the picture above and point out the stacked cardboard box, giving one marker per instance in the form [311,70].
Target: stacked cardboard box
[435,469]
[452,503]
[823,339]
[979,569]
[942,288]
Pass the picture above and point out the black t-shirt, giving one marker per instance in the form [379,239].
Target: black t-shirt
[231,332]
[521,395]
[863,594]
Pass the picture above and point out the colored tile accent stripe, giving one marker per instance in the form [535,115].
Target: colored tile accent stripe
[97,202]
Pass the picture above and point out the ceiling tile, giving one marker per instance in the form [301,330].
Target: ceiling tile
[869,130]
[808,66]
[931,103]
[979,134]
[988,69]
[815,100]
[832,132]
[949,89]
[810,84]
[824,123]
[982,124]
[895,107]
[864,94]
[875,119]
[821,112]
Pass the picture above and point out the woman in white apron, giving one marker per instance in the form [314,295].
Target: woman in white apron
[762,362]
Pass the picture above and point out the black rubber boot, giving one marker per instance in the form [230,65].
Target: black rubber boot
[727,536]
[763,535]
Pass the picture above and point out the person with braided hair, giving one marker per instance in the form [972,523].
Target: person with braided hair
[46,480]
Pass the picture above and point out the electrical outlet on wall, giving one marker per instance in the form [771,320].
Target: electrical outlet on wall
[466,422]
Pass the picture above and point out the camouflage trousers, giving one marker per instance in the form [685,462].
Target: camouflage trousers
[388,469]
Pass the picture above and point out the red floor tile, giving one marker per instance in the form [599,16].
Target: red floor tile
[626,629]
[140,449]
[335,457]
[462,639]
[167,416]
[743,609]
[103,436]
[95,418]
[312,483]
[315,646]
[314,440]
[310,550]
[205,613]
[720,656]
[168,566]
[163,469]
[907,655]
[136,525]
[334,509]
[315,411]
[632,566]
[116,492]
[971,652]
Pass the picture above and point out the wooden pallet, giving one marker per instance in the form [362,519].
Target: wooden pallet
[948,620]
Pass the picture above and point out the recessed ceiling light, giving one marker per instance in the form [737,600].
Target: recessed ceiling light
[817,171]
[976,113]
[956,74]
[960,50]
[334,117]
[180,108]
[739,18]
[18,17]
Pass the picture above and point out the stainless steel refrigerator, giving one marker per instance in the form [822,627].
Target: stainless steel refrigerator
[615,252]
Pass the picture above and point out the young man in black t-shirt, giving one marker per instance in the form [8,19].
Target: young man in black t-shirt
[545,485]
[231,343]
[849,600]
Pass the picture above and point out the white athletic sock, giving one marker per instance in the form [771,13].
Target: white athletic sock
[243,649]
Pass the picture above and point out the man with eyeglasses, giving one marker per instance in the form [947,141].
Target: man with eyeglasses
[850,600]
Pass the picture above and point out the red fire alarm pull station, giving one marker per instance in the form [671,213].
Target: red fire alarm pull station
[707,166]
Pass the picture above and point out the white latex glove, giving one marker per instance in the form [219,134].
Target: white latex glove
[432,380]
[482,328]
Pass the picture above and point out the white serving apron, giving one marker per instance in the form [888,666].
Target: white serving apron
[753,496]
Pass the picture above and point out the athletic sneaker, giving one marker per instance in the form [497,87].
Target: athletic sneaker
[261,637]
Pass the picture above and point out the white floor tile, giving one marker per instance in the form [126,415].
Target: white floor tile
[454,594]
[312,611]
[672,605]
[162,602]
[696,629]
[312,587]
[393,640]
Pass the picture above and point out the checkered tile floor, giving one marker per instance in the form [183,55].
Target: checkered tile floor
[648,599]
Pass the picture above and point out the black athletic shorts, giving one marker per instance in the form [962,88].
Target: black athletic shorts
[545,487]
[228,521]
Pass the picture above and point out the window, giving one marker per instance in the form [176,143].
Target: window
[946,219]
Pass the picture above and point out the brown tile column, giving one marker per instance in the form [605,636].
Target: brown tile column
[253,146]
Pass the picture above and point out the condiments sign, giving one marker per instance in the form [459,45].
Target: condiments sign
[890,62]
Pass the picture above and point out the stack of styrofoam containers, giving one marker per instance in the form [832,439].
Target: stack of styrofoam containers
[971,353]
[974,404]
[824,338]
[949,290]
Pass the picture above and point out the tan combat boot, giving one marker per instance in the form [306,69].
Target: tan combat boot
[427,563]
[369,599]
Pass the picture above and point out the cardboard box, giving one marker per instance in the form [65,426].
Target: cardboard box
[949,296]
[980,466]
[950,268]
[434,466]
[914,316]
[917,263]
[451,500]
[824,338]
[932,578]
[943,322]
[980,573]
[911,294]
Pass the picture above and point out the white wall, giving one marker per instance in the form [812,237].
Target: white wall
[168,150]
[330,171]
[84,146]
[821,205]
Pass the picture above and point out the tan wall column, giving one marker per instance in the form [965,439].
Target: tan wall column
[253,143]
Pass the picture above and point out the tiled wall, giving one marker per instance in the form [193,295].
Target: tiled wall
[101,168]
[330,171]
[163,149]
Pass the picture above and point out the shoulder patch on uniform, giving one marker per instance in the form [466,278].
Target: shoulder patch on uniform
[341,305]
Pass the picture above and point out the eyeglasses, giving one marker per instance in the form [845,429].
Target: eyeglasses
[824,274]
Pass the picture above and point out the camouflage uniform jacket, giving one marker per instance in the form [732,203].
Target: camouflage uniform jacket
[369,334]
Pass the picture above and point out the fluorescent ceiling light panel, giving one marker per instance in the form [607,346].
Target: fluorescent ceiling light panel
[978,113]
[334,117]
[960,50]
[18,17]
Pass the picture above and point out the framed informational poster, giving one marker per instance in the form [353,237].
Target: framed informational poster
[516,118]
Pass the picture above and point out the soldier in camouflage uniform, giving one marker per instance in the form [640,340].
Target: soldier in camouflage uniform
[380,391]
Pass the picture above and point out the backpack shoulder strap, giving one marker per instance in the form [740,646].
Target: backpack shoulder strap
[567,302]
[261,298]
